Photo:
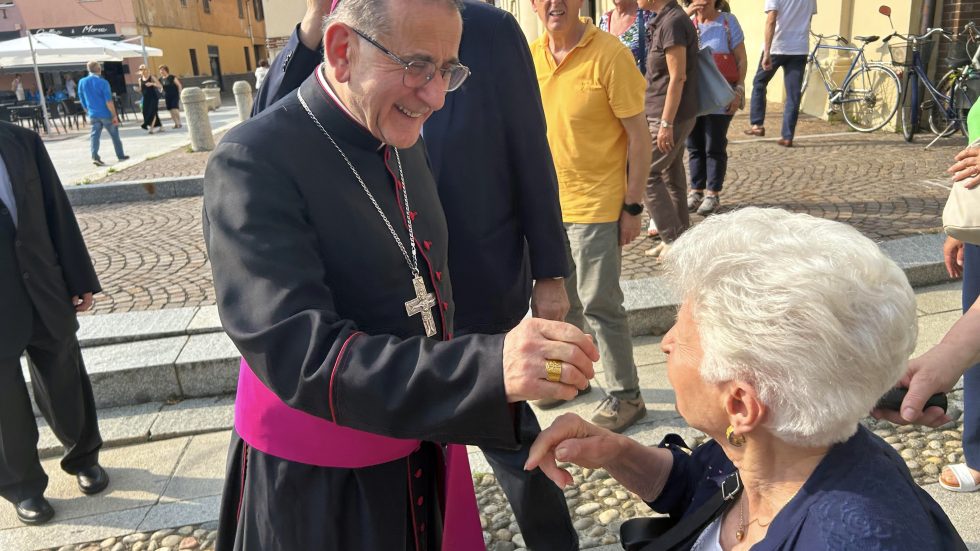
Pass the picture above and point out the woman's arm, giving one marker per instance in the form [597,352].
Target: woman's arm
[741,58]
[677,69]
[640,469]
[180,85]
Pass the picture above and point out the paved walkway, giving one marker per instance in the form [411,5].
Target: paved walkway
[151,255]
[72,155]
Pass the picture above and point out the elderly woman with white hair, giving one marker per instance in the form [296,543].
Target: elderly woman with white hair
[790,328]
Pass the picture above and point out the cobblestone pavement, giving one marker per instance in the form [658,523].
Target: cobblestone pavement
[151,255]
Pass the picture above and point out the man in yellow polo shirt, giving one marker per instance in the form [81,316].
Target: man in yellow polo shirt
[593,101]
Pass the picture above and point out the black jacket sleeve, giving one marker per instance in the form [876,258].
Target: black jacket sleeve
[66,237]
[533,170]
[290,68]
[275,305]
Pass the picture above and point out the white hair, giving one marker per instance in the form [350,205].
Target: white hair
[808,311]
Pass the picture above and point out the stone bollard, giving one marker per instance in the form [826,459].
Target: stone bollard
[214,98]
[196,114]
[243,99]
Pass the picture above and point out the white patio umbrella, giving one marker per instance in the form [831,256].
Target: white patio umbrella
[43,49]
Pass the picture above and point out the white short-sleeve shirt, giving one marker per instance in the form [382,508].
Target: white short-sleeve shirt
[792,35]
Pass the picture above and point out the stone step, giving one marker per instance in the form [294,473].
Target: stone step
[160,369]
[97,330]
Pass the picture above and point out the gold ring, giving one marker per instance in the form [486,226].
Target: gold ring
[553,369]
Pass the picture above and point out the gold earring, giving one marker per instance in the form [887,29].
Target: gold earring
[737,440]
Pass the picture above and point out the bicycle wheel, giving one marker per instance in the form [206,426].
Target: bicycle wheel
[870,97]
[939,119]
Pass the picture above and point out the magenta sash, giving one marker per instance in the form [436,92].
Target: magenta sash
[267,424]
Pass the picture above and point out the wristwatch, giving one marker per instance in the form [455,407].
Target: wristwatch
[665,124]
[633,209]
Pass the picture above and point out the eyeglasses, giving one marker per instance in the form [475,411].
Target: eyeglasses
[418,73]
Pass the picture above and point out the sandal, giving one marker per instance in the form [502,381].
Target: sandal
[964,478]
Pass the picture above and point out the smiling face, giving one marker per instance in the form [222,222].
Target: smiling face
[391,111]
[558,16]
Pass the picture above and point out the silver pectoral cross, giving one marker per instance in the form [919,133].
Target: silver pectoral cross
[422,304]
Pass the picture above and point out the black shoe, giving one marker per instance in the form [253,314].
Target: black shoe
[97,162]
[92,480]
[34,510]
[124,158]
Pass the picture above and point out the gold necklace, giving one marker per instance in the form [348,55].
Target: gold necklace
[742,526]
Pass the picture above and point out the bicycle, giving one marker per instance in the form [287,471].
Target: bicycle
[949,101]
[869,96]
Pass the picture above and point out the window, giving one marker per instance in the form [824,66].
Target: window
[241,11]
[207,5]
[248,59]
[183,3]
[257,9]
[194,68]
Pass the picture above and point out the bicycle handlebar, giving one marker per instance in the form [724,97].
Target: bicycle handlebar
[929,33]
[840,39]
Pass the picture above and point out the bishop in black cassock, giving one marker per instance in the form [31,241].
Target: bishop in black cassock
[338,381]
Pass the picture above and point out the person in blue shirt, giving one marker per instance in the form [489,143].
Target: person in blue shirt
[776,359]
[96,98]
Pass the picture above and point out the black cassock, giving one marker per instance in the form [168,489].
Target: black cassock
[302,261]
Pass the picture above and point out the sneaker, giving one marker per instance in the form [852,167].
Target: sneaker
[618,415]
[97,162]
[548,403]
[709,205]
[124,158]
[694,199]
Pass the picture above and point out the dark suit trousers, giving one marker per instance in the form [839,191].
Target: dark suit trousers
[64,395]
[538,504]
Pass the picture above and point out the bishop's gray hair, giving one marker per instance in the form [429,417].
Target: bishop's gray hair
[808,311]
[373,17]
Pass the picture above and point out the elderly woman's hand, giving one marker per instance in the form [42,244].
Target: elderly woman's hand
[571,439]
[966,169]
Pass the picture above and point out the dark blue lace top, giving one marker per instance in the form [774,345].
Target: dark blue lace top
[861,496]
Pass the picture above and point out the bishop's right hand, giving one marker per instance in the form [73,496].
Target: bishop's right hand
[529,346]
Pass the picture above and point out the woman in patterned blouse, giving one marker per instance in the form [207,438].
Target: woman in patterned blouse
[626,22]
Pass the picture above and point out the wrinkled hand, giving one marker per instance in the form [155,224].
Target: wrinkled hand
[571,439]
[935,371]
[82,303]
[527,346]
[549,300]
[966,169]
[953,256]
[665,139]
[629,228]
[311,27]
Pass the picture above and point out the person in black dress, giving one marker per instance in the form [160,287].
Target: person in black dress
[149,88]
[171,93]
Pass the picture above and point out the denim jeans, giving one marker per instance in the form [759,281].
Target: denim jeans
[707,148]
[793,66]
[971,379]
[96,132]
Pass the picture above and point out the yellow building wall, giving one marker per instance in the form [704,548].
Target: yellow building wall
[176,45]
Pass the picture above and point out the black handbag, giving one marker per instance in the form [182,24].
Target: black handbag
[664,534]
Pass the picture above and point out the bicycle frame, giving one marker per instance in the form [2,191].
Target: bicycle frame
[835,92]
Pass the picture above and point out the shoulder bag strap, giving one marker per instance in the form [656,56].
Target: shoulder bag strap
[636,534]
[642,30]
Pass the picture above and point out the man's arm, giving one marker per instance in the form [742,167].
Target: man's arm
[296,61]
[640,153]
[770,32]
[111,104]
[80,277]
[531,166]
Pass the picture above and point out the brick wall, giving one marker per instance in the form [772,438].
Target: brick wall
[955,14]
